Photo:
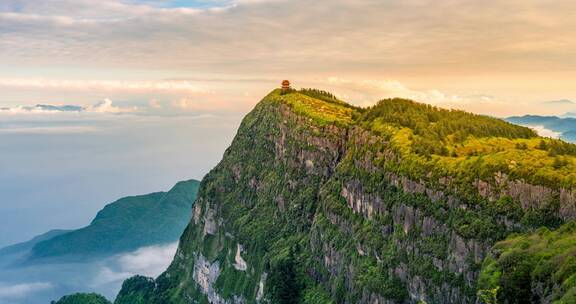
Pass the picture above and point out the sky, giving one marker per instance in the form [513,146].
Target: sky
[58,169]
[500,59]
[158,88]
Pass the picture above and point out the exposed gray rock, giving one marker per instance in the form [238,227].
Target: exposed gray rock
[261,285]
[360,202]
[210,224]
[205,275]
[239,262]
[196,213]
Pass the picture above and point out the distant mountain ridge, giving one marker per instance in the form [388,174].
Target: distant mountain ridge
[65,108]
[565,126]
[124,225]
[127,224]
[28,245]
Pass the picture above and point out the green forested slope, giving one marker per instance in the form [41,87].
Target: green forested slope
[24,247]
[126,224]
[136,290]
[538,267]
[82,298]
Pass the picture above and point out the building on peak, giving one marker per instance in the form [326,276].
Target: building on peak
[285,86]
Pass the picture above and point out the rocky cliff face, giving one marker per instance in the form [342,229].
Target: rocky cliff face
[309,203]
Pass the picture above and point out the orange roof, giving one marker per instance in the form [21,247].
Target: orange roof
[285,82]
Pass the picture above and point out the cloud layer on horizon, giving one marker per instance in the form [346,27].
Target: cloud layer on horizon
[9,292]
[105,106]
[201,96]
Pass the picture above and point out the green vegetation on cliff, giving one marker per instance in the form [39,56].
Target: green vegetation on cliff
[434,125]
[538,267]
[135,290]
[447,142]
[82,298]
[317,201]
[464,145]
[323,108]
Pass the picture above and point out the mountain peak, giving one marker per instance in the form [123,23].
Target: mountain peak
[322,107]
[317,201]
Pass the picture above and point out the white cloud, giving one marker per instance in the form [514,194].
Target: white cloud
[105,106]
[188,103]
[183,103]
[107,275]
[15,291]
[281,36]
[368,91]
[102,10]
[25,110]
[154,104]
[104,85]
[148,261]
[48,130]
[543,131]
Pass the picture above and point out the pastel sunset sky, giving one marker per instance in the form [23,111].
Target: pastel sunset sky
[212,55]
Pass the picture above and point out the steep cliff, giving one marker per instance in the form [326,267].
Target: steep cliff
[317,201]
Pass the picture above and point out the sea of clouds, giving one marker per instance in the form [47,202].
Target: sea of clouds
[39,284]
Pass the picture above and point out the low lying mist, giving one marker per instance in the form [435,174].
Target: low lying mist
[39,284]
